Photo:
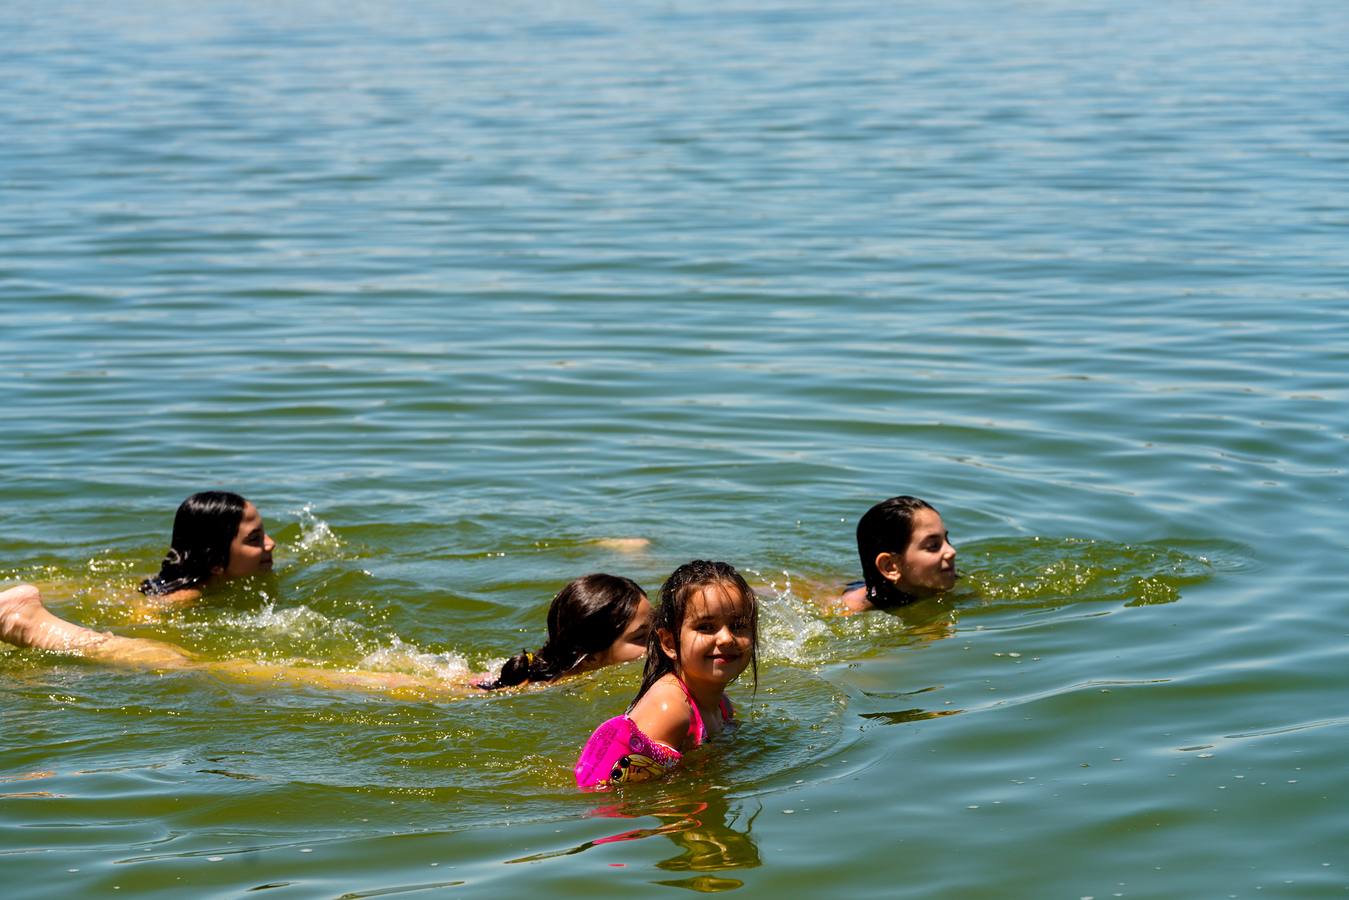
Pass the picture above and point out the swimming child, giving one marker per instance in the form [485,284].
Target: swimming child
[594,621]
[906,555]
[704,634]
[217,535]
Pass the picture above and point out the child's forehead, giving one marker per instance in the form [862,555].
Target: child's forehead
[927,521]
[716,599]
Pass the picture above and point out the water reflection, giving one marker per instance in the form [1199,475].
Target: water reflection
[712,835]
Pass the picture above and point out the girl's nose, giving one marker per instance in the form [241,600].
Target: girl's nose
[269,545]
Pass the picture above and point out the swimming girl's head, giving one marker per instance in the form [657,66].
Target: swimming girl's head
[706,627]
[215,534]
[905,551]
[594,621]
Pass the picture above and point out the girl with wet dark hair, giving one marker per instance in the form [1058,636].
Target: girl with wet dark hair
[596,620]
[704,635]
[676,594]
[906,555]
[216,534]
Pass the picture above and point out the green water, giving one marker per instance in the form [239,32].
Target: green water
[454,293]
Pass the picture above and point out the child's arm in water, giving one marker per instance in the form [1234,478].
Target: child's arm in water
[151,607]
[852,600]
[663,714]
[825,593]
[639,746]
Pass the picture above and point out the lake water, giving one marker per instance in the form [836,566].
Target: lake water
[455,291]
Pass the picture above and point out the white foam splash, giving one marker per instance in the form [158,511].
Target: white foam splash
[792,626]
[400,656]
[297,621]
[314,532]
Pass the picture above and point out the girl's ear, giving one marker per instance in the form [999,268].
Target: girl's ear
[887,564]
[217,570]
[667,642]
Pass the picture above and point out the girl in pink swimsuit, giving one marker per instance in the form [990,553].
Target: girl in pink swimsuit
[704,634]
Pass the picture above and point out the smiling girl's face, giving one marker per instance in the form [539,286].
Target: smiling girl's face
[716,638]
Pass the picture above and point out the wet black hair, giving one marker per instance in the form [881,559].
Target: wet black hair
[886,528]
[203,529]
[584,619]
[675,594]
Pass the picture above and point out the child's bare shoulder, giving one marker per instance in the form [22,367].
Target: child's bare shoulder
[664,694]
[663,712]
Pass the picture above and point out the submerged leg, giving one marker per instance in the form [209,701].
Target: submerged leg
[25,622]
[392,684]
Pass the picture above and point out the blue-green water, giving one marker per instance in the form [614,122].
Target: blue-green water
[455,292]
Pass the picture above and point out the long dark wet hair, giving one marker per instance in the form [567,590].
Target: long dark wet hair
[682,585]
[886,528]
[203,529]
[584,619]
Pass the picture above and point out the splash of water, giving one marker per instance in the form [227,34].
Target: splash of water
[400,656]
[315,534]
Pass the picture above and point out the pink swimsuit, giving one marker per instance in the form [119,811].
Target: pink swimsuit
[619,752]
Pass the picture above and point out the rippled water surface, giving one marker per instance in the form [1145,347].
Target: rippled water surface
[456,292]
